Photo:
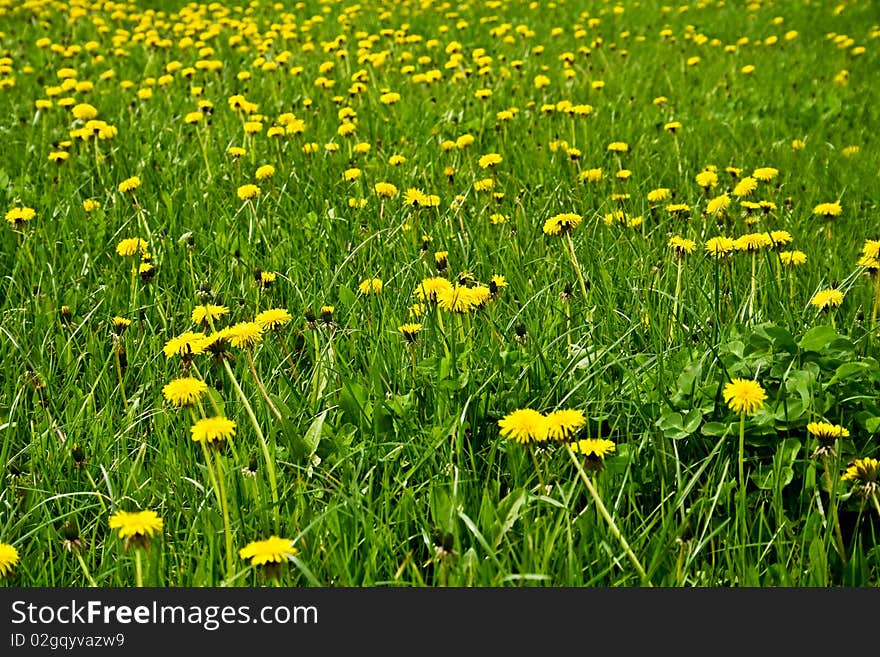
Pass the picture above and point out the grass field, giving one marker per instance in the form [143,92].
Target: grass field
[498,293]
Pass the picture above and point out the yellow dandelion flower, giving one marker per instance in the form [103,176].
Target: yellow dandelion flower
[744,396]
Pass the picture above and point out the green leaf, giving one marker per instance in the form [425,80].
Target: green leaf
[847,370]
[817,338]
[782,339]
[307,444]
[508,512]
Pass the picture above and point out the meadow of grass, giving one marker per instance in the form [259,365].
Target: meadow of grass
[523,294]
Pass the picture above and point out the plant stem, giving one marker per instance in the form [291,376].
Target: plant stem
[741,511]
[577,267]
[674,317]
[832,504]
[119,375]
[138,569]
[82,564]
[611,524]
[264,446]
[260,385]
[224,507]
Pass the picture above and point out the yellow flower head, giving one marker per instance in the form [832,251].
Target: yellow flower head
[370,286]
[681,246]
[273,318]
[208,313]
[129,184]
[184,391]
[828,210]
[17,216]
[130,246]
[271,550]
[8,559]
[138,525]
[827,299]
[564,423]
[245,334]
[264,172]
[385,190]
[744,396]
[561,224]
[719,246]
[525,426]
[212,429]
[595,447]
[185,345]
[792,258]
[410,331]
[248,192]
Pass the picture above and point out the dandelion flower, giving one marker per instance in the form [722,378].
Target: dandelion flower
[752,242]
[430,289]
[707,179]
[866,473]
[410,331]
[828,210]
[130,246]
[765,174]
[792,258]
[564,423]
[659,195]
[18,216]
[264,172]
[744,396]
[273,318]
[719,246]
[136,527]
[681,246]
[208,313]
[489,160]
[129,184]
[597,447]
[209,430]
[8,559]
[525,426]
[828,434]
[186,345]
[248,192]
[561,224]
[745,186]
[718,204]
[827,299]
[245,334]
[370,286]
[385,190]
[184,391]
[272,550]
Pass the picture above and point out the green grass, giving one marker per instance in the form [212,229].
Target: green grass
[387,453]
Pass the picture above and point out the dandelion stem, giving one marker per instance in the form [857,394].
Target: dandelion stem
[224,506]
[607,516]
[741,511]
[674,318]
[119,375]
[753,288]
[85,570]
[537,467]
[138,569]
[577,267]
[260,385]
[832,504]
[264,446]
[876,503]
